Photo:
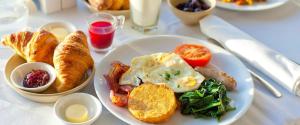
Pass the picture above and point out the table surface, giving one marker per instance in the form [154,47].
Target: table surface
[278,28]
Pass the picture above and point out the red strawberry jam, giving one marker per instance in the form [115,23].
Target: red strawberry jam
[36,78]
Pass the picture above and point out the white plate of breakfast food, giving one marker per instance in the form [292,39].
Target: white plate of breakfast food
[114,7]
[173,80]
[250,5]
[42,46]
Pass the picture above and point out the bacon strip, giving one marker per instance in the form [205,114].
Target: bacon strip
[115,73]
[119,93]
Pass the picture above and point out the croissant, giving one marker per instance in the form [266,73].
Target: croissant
[33,47]
[117,5]
[71,60]
[126,5]
[101,4]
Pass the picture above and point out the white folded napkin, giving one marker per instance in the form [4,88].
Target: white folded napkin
[271,63]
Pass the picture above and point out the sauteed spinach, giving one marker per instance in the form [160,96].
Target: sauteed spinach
[209,100]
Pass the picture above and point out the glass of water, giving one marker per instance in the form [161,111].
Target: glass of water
[13,16]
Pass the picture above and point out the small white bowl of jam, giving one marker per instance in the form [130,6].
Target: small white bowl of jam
[33,76]
[77,109]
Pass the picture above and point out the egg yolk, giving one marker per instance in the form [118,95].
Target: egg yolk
[60,33]
[189,82]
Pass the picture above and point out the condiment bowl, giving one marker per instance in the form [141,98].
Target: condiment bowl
[191,18]
[18,74]
[92,104]
[68,27]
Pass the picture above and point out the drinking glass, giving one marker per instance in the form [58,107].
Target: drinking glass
[144,14]
[102,28]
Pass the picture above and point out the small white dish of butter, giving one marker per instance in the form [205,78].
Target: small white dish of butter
[77,109]
[59,29]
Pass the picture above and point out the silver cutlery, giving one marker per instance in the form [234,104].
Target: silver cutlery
[269,86]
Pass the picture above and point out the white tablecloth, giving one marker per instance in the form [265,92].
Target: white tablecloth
[278,28]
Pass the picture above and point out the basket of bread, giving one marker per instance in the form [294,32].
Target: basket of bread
[36,52]
[114,7]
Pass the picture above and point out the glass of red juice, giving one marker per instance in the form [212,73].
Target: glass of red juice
[102,28]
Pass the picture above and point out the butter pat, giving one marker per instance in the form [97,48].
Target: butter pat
[76,113]
[60,33]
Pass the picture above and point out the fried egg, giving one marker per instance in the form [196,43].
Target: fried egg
[167,68]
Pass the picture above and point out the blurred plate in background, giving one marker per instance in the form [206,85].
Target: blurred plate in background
[269,4]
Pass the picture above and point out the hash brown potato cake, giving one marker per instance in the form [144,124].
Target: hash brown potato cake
[152,103]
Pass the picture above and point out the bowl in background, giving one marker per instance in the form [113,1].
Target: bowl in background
[191,18]
[68,26]
[62,28]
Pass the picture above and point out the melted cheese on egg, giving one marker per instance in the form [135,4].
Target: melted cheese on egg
[168,68]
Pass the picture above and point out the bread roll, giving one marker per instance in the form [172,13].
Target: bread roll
[117,4]
[33,47]
[126,5]
[101,4]
[71,61]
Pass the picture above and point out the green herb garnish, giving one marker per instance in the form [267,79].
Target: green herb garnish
[210,100]
[177,73]
[167,76]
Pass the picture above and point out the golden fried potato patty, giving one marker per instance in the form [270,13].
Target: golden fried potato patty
[152,103]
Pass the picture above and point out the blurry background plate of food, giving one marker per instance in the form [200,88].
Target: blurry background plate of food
[249,5]
[241,97]
[121,9]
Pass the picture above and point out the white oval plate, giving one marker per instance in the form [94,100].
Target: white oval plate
[242,98]
[269,4]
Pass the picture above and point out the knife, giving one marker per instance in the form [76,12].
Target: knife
[269,86]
